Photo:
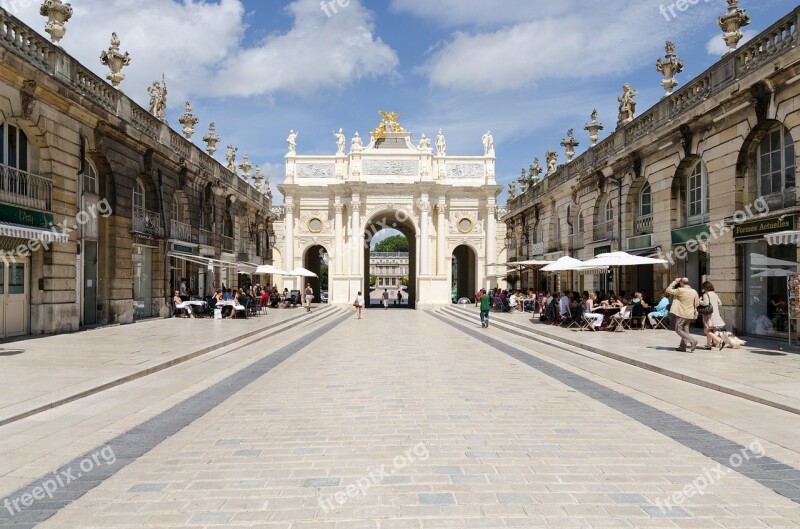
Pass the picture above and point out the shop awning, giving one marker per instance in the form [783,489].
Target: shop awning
[20,231]
[200,260]
[783,237]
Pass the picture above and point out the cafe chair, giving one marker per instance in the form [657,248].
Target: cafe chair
[661,322]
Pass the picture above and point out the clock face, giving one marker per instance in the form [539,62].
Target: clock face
[315,225]
[465,225]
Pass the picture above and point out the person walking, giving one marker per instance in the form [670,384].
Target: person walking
[309,297]
[385,299]
[399,297]
[684,307]
[485,304]
[359,305]
[712,317]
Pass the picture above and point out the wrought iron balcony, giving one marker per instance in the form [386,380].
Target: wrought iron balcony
[180,231]
[27,190]
[205,237]
[782,199]
[644,225]
[147,222]
[576,241]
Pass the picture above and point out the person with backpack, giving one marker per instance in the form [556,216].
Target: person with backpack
[485,304]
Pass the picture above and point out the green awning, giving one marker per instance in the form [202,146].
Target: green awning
[684,235]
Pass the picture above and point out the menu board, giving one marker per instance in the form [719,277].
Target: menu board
[794,296]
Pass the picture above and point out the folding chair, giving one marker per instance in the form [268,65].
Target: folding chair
[661,322]
[637,317]
[575,317]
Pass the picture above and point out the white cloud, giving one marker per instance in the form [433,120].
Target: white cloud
[549,40]
[717,47]
[199,46]
[482,12]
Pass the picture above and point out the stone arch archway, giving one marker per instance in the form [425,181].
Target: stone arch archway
[464,274]
[401,220]
[314,259]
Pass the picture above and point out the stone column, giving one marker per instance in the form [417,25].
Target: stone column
[339,239]
[289,254]
[424,253]
[441,240]
[355,235]
[491,242]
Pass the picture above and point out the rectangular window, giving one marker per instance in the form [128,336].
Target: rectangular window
[16,278]
[23,152]
[12,146]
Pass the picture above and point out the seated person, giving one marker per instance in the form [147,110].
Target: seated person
[594,318]
[264,300]
[179,305]
[661,310]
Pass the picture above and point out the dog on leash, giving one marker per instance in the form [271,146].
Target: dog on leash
[731,340]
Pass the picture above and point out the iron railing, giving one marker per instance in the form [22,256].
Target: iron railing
[643,225]
[227,244]
[603,231]
[205,237]
[180,231]
[147,222]
[28,190]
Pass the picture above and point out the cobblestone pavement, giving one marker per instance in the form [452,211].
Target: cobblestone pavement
[404,420]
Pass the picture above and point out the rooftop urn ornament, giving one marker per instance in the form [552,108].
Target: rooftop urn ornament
[266,190]
[594,128]
[731,24]
[441,144]
[246,166]
[356,144]
[188,120]
[488,144]
[512,190]
[534,172]
[669,68]
[115,60]
[211,139]
[340,141]
[627,105]
[569,145]
[257,178]
[230,158]
[58,14]
[523,181]
[552,160]
[292,141]
[158,99]
[425,144]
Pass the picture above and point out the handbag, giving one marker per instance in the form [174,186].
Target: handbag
[355,303]
[705,310]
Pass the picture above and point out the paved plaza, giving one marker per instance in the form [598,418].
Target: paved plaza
[338,423]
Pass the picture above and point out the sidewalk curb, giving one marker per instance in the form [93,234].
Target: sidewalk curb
[716,386]
[320,313]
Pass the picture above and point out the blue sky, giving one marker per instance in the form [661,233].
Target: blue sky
[527,70]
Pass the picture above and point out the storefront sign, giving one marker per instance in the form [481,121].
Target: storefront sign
[690,233]
[182,249]
[25,216]
[762,227]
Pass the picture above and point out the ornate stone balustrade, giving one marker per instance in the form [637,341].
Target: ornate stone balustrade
[279,212]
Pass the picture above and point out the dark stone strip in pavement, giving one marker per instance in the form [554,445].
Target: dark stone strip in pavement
[47,495]
[780,478]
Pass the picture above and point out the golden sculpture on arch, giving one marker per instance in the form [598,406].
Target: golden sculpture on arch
[388,124]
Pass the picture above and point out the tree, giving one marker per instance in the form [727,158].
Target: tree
[404,281]
[373,280]
[512,280]
[393,244]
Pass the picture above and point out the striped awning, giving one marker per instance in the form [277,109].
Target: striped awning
[31,233]
[783,237]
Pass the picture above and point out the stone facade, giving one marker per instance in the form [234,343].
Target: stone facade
[121,182]
[695,172]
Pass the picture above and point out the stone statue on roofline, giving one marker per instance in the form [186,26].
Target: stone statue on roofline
[292,141]
[441,144]
[627,105]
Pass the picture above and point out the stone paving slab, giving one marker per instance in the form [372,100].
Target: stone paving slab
[51,370]
[763,371]
[376,427]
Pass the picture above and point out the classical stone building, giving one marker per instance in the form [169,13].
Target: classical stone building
[705,177]
[136,207]
[389,268]
[445,206]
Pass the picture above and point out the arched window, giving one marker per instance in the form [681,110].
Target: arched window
[138,194]
[608,215]
[697,195]
[15,151]
[89,178]
[776,161]
[645,201]
[176,209]
[558,228]
[581,225]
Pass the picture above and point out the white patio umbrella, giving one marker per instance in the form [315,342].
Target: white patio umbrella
[271,270]
[564,264]
[620,259]
[302,272]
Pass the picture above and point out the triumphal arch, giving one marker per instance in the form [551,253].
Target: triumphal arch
[445,206]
